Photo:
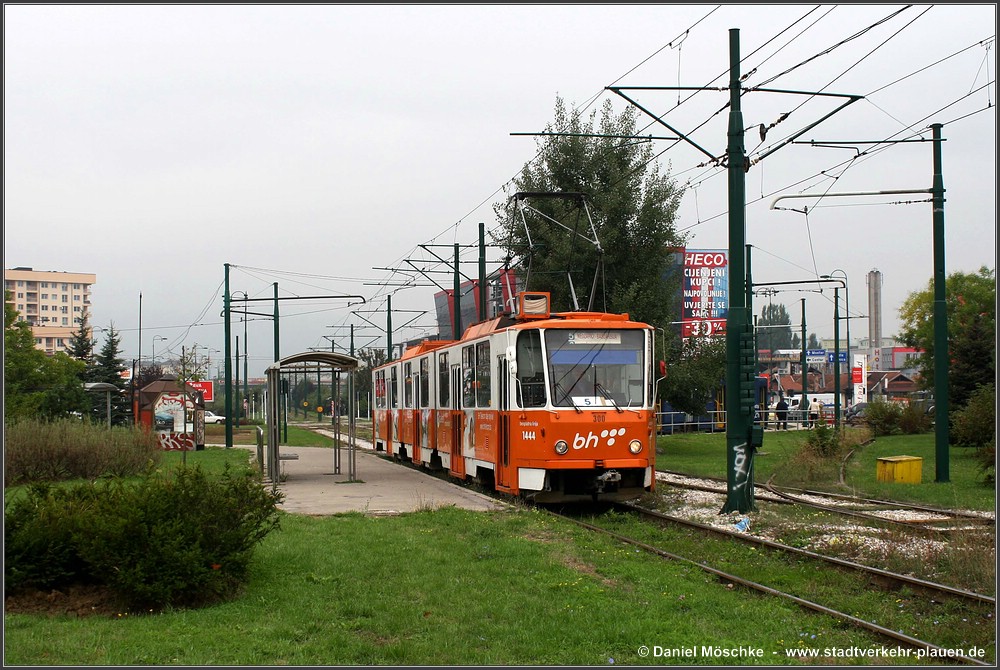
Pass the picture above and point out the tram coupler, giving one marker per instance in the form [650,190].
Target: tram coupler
[605,478]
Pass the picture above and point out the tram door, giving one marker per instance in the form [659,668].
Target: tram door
[418,420]
[457,468]
[503,449]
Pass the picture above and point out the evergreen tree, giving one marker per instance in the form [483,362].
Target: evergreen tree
[81,346]
[108,368]
[631,202]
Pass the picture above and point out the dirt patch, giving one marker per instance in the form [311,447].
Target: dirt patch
[78,600]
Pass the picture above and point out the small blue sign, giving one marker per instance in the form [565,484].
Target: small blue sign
[842,357]
[815,352]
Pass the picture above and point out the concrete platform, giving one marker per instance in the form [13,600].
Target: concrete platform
[383,487]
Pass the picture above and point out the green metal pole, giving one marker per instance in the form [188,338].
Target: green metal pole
[941,360]
[805,360]
[388,327]
[276,331]
[237,385]
[246,364]
[333,397]
[282,400]
[739,338]
[229,363]
[482,271]
[457,299]
[836,358]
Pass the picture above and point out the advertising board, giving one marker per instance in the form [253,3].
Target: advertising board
[207,389]
[704,290]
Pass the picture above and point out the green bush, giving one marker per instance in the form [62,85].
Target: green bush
[913,420]
[162,541]
[37,450]
[975,425]
[882,417]
[823,440]
[39,527]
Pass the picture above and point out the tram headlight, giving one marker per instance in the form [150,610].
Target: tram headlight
[562,447]
[635,446]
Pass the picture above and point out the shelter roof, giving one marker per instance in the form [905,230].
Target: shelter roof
[333,359]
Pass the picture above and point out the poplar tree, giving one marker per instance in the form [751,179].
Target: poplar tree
[633,203]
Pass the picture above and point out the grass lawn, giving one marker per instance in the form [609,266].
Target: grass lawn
[704,454]
[517,587]
[448,587]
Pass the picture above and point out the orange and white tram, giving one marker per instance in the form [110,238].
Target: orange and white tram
[548,406]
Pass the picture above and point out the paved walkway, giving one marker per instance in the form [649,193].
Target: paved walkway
[310,485]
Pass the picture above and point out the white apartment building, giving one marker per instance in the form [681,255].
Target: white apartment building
[52,303]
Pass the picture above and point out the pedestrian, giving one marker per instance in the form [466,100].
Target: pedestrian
[815,411]
[781,411]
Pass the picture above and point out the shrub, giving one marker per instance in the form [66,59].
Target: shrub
[161,541]
[37,450]
[975,424]
[914,420]
[38,536]
[882,417]
[823,440]
[987,457]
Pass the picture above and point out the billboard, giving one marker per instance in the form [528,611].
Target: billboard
[207,389]
[859,378]
[704,290]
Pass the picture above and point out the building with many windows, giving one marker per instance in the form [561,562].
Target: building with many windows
[52,303]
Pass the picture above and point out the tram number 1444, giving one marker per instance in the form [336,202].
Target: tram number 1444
[527,435]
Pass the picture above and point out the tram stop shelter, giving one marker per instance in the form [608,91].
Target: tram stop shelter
[338,363]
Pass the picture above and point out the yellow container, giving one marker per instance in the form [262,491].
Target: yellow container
[900,469]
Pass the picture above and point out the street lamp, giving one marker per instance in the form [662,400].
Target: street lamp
[847,305]
[158,337]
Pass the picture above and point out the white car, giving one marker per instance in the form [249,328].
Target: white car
[210,417]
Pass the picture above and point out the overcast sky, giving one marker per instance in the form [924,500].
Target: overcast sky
[316,145]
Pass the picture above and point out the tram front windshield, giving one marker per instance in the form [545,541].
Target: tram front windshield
[596,368]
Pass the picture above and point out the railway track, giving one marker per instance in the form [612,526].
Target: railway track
[931,649]
[877,574]
[884,512]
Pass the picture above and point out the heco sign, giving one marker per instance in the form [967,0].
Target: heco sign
[207,389]
[704,291]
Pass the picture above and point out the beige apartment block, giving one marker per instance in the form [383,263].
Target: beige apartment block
[52,303]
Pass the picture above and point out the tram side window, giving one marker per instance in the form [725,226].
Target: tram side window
[408,385]
[468,376]
[393,394]
[380,389]
[530,369]
[483,374]
[425,381]
[443,380]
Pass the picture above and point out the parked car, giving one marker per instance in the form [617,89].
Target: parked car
[211,417]
[855,413]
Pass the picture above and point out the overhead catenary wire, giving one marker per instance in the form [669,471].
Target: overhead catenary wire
[453,230]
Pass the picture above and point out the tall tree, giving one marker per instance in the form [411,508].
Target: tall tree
[696,368]
[108,368]
[970,306]
[81,346]
[774,329]
[369,358]
[633,205]
[37,385]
